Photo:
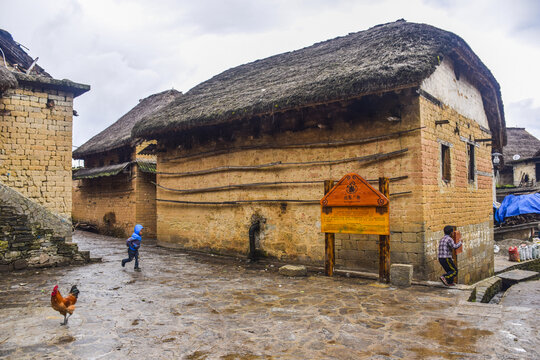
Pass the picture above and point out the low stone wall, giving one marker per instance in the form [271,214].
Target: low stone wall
[32,236]
[37,214]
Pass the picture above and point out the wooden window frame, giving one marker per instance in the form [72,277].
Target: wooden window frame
[471,173]
[446,164]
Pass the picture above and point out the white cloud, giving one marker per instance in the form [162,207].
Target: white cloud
[127,50]
[524,114]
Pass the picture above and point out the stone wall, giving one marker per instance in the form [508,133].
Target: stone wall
[35,145]
[33,236]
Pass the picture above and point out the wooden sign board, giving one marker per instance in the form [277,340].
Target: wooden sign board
[353,190]
[355,220]
[353,206]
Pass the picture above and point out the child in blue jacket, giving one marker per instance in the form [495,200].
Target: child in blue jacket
[134,243]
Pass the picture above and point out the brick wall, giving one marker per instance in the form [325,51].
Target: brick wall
[35,145]
[466,204]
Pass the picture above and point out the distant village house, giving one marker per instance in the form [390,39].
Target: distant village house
[115,190]
[521,155]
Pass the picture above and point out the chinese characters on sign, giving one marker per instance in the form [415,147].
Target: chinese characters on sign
[353,206]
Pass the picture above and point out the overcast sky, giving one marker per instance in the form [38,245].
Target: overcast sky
[127,50]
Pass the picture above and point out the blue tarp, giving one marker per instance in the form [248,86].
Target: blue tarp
[513,205]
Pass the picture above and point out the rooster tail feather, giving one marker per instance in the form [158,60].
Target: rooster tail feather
[74,291]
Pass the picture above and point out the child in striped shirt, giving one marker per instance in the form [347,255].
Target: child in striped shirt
[446,245]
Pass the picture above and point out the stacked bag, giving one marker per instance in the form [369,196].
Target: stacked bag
[524,252]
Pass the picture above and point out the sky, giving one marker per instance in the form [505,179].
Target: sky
[128,50]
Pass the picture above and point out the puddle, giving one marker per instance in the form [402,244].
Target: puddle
[453,335]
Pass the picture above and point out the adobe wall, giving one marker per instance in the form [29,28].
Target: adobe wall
[130,197]
[96,200]
[292,230]
[35,146]
[146,203]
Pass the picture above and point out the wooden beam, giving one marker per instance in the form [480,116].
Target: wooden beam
[329,240]
[384,241]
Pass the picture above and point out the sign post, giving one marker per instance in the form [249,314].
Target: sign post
[329,240]
[353,206]
[384,241]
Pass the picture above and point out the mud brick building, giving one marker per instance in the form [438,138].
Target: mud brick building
[253,145]
[36,113]
[521,159]
[115,190]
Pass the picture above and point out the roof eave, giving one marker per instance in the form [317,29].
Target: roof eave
[62,85]
[81,155]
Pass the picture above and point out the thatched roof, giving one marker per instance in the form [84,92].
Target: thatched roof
[16,56]
[381,59]
[19,62]
[7,80]
[522,143]
[119,134]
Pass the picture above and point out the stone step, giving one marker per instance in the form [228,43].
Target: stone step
[518,275]
[85,255]
[486,289]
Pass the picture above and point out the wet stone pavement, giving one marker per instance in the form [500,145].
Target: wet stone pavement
[189,306]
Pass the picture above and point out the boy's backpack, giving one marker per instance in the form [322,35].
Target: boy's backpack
[128,241]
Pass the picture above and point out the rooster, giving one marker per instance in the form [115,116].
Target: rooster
[64,305]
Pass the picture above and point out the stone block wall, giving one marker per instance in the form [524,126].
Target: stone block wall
[35,145]
[32,236]
[461,202]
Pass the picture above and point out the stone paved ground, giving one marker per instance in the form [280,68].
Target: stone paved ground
[186,306]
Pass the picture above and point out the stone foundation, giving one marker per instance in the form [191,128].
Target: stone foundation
[33,237]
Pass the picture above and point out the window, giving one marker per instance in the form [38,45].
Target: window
[445,162]
[472,169]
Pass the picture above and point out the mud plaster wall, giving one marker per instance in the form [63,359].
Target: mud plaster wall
[292,231]
[35,146]
[93,198]
[130,196]
[459,202]
[146,203]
